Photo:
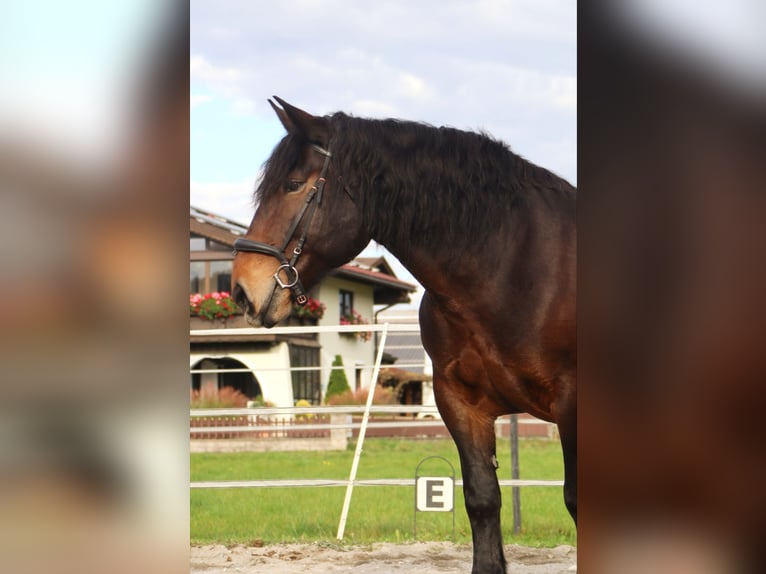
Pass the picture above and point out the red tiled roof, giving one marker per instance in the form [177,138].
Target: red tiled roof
[369,276]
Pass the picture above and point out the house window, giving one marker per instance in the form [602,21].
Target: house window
[215,246]
[196,243]
[199,243]
[196,277]
[220,275]
[209,276]
[210,266]
[306,384]
[346,299]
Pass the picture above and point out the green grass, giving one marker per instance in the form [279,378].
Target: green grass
[377,514]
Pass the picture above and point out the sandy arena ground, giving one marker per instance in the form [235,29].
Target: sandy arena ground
[384,558]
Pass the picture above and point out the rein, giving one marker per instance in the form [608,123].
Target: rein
[292,280]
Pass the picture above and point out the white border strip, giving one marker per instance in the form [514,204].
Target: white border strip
[346,483]
[248,331]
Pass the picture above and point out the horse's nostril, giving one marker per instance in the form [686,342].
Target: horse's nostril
[240,298]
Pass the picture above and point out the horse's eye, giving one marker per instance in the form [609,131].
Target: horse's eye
[293,185]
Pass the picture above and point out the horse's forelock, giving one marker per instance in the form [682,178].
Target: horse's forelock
[276,168]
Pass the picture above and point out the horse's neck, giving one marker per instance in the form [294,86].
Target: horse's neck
[533,248]
[440,273]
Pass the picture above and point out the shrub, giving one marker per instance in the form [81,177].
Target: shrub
[301,417]
[225,398]
[338,382]
[259,401]
[382,396]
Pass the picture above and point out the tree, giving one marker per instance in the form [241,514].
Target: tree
[338,382]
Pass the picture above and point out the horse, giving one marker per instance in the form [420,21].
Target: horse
[489,235]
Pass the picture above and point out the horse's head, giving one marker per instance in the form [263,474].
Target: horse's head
[305,224]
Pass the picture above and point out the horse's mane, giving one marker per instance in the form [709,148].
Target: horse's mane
[415,182]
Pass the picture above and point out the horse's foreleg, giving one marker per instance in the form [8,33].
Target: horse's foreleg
[569,446]
[567,423]
[474,435]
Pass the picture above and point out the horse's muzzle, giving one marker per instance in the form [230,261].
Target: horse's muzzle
[263,317]
[243,302]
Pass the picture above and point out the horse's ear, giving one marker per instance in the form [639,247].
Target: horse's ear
[283,117]
[313,128]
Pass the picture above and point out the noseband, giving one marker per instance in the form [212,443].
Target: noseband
[292,281]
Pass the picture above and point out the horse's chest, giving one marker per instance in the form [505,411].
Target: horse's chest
[503,374]
[468,367]
[509,382]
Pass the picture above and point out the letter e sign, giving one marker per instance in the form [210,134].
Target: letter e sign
[435,493]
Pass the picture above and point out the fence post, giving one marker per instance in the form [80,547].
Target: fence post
[515,493]
[362,431]
[337,435]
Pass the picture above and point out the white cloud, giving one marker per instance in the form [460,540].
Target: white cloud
[411,86]
[228,82]
[506,85]
[199,99]
[244,106]
[563,92]
[535,88]
[232,199]
[224,79]
[376,108]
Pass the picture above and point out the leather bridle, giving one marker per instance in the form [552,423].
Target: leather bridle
[292,280]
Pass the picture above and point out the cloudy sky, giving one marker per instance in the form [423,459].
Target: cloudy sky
[504,66]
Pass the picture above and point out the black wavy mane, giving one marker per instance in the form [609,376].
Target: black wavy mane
[417,183]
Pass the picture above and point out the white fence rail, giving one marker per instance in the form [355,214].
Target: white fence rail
[280,413]
[359,482]
[391,328]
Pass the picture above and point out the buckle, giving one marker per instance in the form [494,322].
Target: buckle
[288,269]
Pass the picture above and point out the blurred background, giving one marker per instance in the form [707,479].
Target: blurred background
[94,171]
[672,318]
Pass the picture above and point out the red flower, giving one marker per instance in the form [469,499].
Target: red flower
[312,309]
[212,306]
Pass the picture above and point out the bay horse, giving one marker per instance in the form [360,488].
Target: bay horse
[489,235]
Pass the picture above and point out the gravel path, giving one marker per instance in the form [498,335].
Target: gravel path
[383,558]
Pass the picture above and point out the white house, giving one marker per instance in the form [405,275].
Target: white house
[408,352]
[257,365]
